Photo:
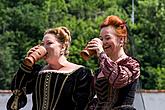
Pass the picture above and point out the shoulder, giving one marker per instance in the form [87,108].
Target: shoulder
[133,65]
[134,59]
[134,62]
[84,74]
[83,71]
[129,61]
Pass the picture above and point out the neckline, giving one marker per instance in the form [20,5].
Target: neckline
[122,57]
[60,72]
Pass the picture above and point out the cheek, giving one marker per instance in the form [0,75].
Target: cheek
[110,42]
[56,50]
[53,50]
[114,42]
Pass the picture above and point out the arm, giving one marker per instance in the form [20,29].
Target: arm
[83,90]
[27,71]
[23,77]
[119,74]
[23,80]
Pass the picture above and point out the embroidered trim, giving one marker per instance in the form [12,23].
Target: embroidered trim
[25,69]
[17,93]
[46,91]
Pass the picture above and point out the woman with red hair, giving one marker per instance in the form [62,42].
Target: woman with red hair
[116,79]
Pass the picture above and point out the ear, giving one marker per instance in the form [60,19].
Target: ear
[121,42]
[62,50]
[63,47]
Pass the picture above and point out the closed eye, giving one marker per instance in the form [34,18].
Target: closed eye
[48,43]
[107,37]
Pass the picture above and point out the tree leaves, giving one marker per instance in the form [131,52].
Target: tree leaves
[23,23]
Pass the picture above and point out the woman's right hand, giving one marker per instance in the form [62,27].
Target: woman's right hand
[30,51]
[96,44]
[34,54]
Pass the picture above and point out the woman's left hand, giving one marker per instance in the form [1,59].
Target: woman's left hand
[96,44]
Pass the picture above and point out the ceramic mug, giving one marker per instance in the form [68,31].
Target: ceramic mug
[86,53]
[35,56]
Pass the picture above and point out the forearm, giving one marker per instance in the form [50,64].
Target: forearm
[25,75]
[107,65]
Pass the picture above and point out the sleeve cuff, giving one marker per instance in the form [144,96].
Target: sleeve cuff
[26,68]
[102,55]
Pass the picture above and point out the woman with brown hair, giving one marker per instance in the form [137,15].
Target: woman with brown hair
[116,79]
[58,85]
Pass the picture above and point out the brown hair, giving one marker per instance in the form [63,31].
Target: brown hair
[119,24]
[63,35]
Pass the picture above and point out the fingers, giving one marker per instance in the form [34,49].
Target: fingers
[96,40]
[94,43]
[92,46]
[32,50]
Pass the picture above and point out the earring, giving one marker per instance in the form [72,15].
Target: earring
[62,52]
[121,43]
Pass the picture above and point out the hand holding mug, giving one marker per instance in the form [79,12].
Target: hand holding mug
[94,47]
[34,54]
[86,53]
[96,44]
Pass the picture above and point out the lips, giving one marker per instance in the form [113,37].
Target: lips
[45,56]
[106,47]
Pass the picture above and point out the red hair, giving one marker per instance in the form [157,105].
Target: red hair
[119,24]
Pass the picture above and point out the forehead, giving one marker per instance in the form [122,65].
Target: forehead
[107,31]
[49,37]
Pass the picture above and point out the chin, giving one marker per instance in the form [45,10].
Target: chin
[107,50]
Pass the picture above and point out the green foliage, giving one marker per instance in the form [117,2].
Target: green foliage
[24,21]
[155,78]
[149,34]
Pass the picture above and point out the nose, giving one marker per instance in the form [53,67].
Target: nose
[44,45]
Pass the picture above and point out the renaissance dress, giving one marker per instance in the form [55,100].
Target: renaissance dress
[51,90]
[116,90]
